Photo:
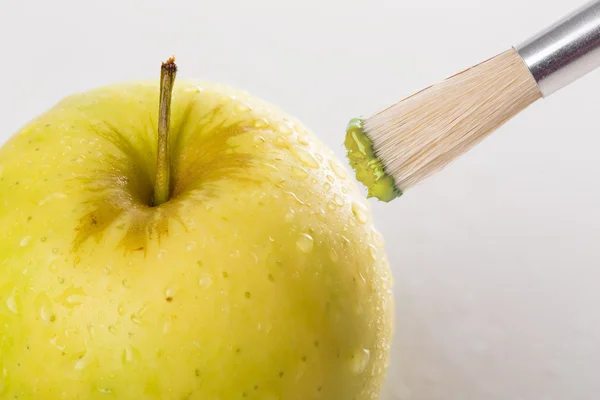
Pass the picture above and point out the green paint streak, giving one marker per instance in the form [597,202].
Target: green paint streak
[368,167]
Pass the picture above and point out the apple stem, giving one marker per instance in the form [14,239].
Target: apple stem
[162,188]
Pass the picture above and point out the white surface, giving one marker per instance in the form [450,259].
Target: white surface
[496,259]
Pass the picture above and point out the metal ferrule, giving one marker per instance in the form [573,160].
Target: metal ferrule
[566,51]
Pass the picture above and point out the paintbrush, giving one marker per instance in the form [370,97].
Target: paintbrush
[400,146]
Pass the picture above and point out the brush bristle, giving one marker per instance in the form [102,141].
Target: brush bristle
[423,133]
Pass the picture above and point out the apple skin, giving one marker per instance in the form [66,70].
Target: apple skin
[263,277]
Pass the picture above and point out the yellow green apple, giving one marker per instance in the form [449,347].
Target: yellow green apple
[261,276]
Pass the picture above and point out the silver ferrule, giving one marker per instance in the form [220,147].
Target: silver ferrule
[566,51]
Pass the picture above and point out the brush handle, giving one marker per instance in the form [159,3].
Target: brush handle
[566,51]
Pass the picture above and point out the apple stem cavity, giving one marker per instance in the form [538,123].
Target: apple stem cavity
[162,185]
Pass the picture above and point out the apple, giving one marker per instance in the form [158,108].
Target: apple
[259,275]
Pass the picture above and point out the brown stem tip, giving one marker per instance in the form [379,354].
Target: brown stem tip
[170,64]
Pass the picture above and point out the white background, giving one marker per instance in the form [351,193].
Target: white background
[496,259]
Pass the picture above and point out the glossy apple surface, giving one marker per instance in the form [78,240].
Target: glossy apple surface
[262,277]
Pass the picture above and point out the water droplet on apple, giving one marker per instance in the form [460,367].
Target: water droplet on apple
[284,129]
[136,317]
[112,329]
[126,283]
[360,212]
[52,266]
[51,197]
[82,363]
[104,390]
[373,252]
[25,241]
[360,360]
[327,186]
[305,243]
[205,280]
[72,297]
[334,256]
[331,205]
[190,246]
[169,293]
[289,216]
[130,355]
[44,307]
[242,108]
[91,331]
[261,123]
[302,140]
[161,254]
[305,157]
[378,239]
[337,169]
[362,278]
[11,302]
[345,240]
[54,342]
[259,139]
[339,200]
[330,178]
[299,172]
[280,141]
[107,269]
[167,326]
[121,310]
[295,197]
[273,261]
